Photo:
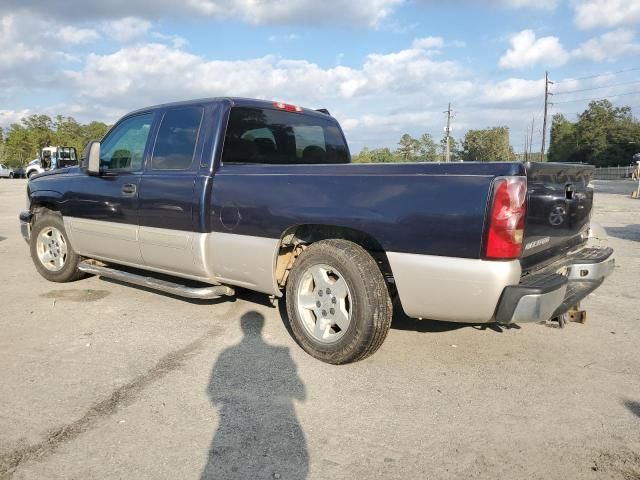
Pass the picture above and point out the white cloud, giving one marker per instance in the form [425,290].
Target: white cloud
[7,117]
[428,42]
[543,4]
[284,38]
[311,12]
[609,46]
[606,13]
[127,29]
[531,4]
[147,74]
[513,90]
[527,50]
[73,35]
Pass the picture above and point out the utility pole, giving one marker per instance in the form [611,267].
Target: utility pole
[547,94]
[447,152]
[533,121]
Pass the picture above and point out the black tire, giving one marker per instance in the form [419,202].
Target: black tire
[31,173]
[10,175]
[69,272]
[370,304]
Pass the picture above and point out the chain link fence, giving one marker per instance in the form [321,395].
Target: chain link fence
[614,173]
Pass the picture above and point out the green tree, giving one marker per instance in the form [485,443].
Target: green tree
[603,135]
[23,141]
[376,155]
[563,140]
[408,149]
[455,152]
[427,149]
[487,145]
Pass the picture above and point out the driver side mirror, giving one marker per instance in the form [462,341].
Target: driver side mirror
[93,158]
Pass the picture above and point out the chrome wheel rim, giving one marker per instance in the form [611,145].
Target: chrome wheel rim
[556,217]
[52,250]
[324,303]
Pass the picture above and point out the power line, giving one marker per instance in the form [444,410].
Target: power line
[601,75]
[598,98]
[597,88]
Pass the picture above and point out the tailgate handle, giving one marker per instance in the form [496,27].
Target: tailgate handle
[568,191]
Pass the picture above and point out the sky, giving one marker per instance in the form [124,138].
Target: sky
[382,67]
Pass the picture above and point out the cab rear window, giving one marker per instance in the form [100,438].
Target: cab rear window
[256,135]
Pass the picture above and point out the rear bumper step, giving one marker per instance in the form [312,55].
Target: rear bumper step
[209,292]
[548,294]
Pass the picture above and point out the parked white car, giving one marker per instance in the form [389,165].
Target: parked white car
[6,172]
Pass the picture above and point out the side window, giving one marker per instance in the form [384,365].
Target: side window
[177,138]
[263,135]
[123,149]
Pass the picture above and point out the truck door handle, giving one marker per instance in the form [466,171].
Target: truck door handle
[128,189]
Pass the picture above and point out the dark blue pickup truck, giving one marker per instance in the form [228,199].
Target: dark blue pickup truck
[214,194]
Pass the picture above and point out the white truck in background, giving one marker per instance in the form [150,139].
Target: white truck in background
[52,158]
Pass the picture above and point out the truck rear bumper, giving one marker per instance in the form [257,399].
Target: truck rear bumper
[555,290]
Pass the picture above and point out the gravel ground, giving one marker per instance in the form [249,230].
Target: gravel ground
[103,380]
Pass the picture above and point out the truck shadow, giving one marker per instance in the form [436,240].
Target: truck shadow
[402,322]
[634,407]
[253,386]
[630,232]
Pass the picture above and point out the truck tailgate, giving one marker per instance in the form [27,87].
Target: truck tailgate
[558,211]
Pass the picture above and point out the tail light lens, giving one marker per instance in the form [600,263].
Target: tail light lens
[286,107]
[506,223]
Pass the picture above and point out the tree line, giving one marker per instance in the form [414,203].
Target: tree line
[485,145]
[23,141]
[603,135]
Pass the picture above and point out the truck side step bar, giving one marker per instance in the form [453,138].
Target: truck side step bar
[205,293]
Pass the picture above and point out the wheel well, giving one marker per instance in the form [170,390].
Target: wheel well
[295,239]
[40,208]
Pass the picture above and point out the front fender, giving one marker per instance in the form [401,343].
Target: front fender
[46,198]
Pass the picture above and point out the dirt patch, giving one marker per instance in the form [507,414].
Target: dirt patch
[624,462]
[78,295]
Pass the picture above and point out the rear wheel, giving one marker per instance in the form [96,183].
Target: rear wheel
[10,175]
[338,303]
[51,251]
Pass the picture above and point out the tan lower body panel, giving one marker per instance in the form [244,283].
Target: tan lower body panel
[227,258]
[452,289]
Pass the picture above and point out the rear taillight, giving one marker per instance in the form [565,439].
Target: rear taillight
[506,222]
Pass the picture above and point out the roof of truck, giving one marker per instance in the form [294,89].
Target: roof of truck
[234,101]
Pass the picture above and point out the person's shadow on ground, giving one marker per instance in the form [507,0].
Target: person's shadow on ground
[253,386]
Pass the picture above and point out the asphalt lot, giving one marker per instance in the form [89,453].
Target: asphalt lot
[103,380]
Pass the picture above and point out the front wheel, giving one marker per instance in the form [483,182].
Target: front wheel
[51,251]
[338,303]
